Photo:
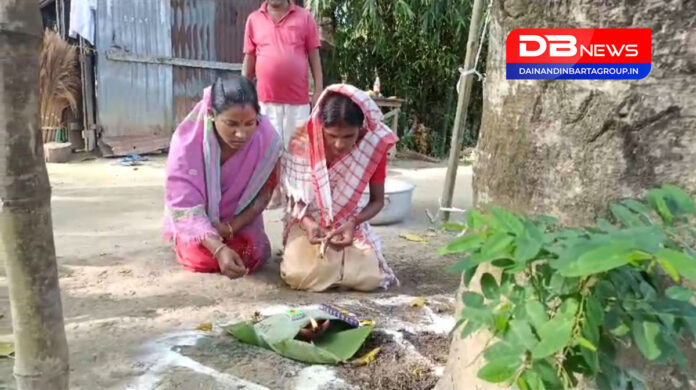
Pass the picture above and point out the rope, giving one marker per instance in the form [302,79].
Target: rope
[482,37]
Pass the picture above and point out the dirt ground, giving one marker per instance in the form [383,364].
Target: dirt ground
[131,312]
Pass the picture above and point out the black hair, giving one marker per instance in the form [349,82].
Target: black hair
[339,110]
[237,90]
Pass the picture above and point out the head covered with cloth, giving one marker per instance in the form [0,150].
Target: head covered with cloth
[329,164]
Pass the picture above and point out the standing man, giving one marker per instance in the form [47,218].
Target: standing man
[279,39]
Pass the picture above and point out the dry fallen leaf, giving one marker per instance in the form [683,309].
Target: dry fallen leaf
[418,372]
[412,237]
[418,302]
[6,350]
[205,327]
[368,357]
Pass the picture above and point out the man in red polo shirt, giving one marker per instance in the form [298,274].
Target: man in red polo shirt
[279,39]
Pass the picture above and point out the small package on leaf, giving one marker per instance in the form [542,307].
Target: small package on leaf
[309,336]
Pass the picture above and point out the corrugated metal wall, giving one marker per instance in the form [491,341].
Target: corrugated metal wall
[142,93]
[134,99]
[209,30]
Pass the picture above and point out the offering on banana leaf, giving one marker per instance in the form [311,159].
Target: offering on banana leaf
[330,335]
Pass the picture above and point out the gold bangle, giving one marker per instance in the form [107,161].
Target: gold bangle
[229,226]
[217,251]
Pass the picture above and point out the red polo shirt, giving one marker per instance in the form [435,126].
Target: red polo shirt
[281,50]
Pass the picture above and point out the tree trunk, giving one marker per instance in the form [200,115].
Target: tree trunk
[26,231]
[568,148]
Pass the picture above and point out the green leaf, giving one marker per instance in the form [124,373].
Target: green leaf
[685,265]
[479,315]
[404,11]
[472,299]
[594,314]
[500,370]
[669,269]
[453,227]
[504,263]
[529,243]
[536,312]
[645,238]
[594,317]
[679,293]
[604,225]
[620,330]
[645,334]
[522,384]
[469,274]
[489,286]
[547,220]
[496,244]
[501,323]
[522,332]
[585,343]
[475,220]
[656,199]
[532,380]
[556,283]
[470,327]
[463,244]
[625,216]
[670,350]
[548,374]
[507,221]
[575,247]
[568,308]
[502,349]
[647,291]
[555,335]
[471,262]
[602,259]
[680,198]
[638,207]
[591,358]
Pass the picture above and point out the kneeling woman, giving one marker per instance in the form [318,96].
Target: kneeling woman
[221,172]
[329,163]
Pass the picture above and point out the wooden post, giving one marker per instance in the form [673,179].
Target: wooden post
[395,129]
[465,83]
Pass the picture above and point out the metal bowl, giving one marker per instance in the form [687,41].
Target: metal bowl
[398,196]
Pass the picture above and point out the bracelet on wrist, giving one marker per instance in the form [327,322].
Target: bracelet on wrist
[217,251]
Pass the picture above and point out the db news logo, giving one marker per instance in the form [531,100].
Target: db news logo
[582,53]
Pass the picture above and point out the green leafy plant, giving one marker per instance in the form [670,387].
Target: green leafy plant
[566,299]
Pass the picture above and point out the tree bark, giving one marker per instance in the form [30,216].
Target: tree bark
[26,231]
[568,148]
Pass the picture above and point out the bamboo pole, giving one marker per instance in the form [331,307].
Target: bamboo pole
[465,83]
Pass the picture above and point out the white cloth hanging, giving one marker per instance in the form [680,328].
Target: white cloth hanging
[82,18]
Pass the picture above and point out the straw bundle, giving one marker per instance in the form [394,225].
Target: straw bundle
[59,82]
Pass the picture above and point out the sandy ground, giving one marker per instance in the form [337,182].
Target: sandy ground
[131,312]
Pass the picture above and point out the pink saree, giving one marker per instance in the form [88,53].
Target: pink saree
[199,191]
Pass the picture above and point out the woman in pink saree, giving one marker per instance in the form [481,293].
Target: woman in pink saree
[221,172]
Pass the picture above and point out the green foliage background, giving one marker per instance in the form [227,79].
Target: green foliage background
[416,47]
